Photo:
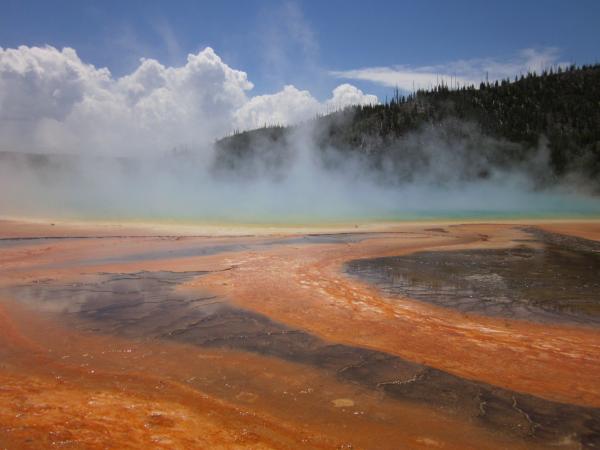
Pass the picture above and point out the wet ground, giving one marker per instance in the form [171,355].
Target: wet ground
[548,277]
[189,247]
[153,306]
[266,342]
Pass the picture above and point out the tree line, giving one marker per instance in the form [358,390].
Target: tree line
[558,108]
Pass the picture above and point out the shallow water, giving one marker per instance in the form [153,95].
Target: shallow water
[152,305]
[549,277]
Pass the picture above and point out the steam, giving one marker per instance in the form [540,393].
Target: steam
[304,184]
[78,143]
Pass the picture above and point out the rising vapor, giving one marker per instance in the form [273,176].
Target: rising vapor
[77,142]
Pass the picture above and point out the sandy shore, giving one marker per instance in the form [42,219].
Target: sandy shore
[66,382]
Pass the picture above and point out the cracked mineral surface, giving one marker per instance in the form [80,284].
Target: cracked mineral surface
[453,336]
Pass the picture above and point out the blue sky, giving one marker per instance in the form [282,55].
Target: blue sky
[141,78]
[312,44]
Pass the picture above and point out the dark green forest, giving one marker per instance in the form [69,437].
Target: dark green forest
[547,125]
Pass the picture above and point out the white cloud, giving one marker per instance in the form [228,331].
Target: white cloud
[287,106]
[42,82]
[292,106]
[461,72]
[50,100]
[346,94]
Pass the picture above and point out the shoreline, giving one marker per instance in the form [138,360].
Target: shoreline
[28,227]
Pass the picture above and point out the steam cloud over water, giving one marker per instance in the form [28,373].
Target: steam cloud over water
[77,142]
[299,188]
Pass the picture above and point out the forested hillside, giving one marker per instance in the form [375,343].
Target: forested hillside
[547,125]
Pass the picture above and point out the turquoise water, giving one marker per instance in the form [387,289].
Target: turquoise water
[303,219]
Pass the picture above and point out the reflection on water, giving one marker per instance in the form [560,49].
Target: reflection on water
[557,281]
[152,305]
